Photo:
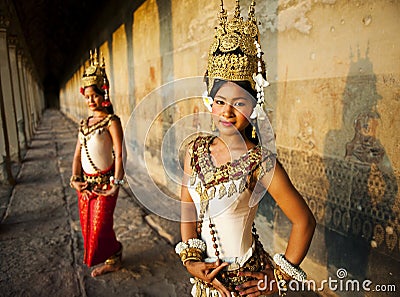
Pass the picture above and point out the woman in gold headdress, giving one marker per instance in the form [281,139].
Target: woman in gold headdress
[97,171]
[226,173]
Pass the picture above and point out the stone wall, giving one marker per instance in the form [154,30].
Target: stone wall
[334,68]
[21,95]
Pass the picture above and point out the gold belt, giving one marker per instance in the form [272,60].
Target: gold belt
[100,179]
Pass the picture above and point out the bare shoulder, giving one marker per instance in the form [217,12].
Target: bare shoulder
[114,118]
[115,121]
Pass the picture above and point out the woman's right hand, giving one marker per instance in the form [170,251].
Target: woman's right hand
[208,272]
[81,187]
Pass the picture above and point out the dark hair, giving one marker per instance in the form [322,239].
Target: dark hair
[109,109]
[244,84]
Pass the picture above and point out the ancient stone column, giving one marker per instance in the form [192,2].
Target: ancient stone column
[21,74]
[40,99]
[12,50]
[31,96]
[29,118]
[5,162]
[8,95]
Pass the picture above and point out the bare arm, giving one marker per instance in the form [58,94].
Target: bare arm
[188,209]
[303,225]
[296,210]
[78,185]
[76,163]
[116,133]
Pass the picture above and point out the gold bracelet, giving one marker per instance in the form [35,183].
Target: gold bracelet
[74,178]
[192,254]
[194,259]
[280,280]
[286,276]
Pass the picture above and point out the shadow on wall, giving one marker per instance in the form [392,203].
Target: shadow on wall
[354,197]
[360,225]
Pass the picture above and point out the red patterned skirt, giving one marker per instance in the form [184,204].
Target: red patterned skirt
[96,217]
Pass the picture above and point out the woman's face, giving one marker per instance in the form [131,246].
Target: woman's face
[231,108]
[93,99]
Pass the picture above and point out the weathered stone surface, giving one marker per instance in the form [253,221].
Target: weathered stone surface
[168,229]
[41,243]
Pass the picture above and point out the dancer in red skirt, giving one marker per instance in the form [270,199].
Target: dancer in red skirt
[97,171]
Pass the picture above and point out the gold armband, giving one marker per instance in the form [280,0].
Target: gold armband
[191,254]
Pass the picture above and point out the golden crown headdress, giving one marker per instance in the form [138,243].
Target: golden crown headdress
[235,53]
[95,74]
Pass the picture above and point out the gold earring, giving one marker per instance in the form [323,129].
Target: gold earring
[213,128]
[253,132]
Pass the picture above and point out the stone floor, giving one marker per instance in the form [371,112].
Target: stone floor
[40,240]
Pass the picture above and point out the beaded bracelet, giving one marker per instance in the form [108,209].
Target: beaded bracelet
[197,243]
[294,272]
[116,182]
[193,250]
[180,247]
[192,242]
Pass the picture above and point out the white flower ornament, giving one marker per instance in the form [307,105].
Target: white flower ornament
[258,113]
[208,101]
[261,82]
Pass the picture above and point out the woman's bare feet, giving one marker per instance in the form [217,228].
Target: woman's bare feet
[110,265]
[105,268]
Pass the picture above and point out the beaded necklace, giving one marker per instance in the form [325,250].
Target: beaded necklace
[210,176]
[87,131]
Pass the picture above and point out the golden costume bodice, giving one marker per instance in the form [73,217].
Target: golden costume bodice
[225,196]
